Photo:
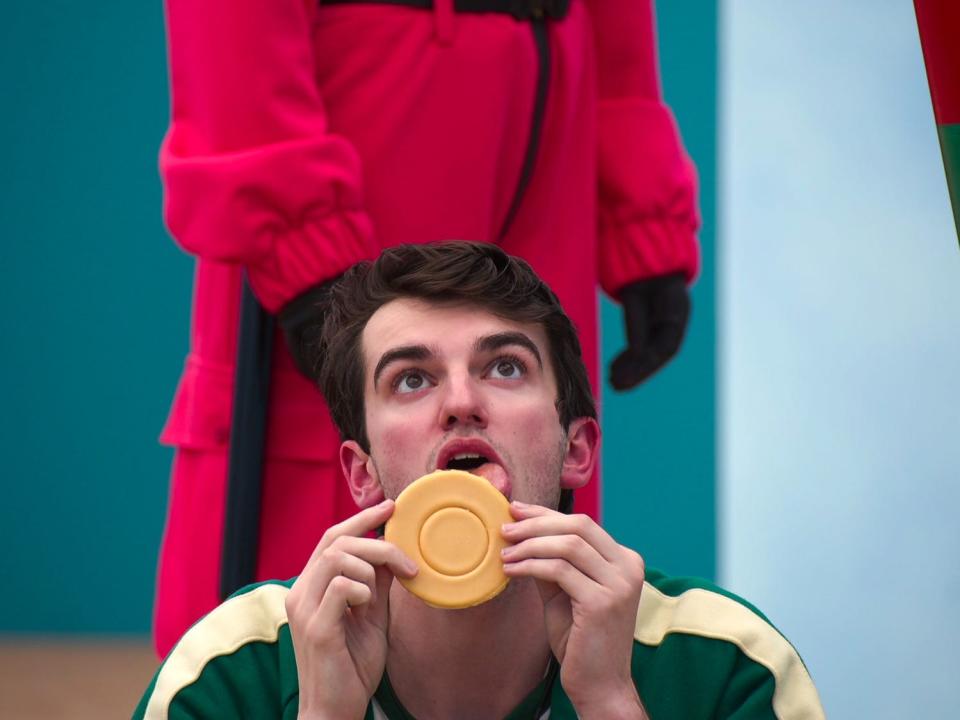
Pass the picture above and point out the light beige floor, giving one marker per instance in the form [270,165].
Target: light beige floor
[50,679]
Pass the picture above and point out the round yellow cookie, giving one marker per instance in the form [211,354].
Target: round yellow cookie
[448,522]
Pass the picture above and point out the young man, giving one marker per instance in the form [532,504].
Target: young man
[307,135]
[436,351]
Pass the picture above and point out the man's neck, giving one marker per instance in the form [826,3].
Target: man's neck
[479,662]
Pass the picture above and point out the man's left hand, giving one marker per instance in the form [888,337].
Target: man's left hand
[590,587]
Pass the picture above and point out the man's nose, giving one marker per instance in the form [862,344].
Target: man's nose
[463,404]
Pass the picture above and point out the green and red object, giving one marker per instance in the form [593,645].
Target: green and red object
[939,24]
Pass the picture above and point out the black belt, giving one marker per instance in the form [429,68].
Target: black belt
[520,9]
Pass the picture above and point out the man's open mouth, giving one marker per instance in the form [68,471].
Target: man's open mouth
[478,457]
[466,461]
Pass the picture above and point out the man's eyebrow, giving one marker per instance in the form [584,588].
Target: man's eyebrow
[489,343]
[405,352]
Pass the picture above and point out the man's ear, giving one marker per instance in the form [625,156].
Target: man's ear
[582,452]
[361,474]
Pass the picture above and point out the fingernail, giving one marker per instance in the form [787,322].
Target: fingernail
[411,566]
[507,527]
[384,503]
[520,504]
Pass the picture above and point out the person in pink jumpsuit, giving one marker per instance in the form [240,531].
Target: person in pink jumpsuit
[304,138]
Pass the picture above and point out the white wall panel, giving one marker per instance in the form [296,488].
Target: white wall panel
[839,332]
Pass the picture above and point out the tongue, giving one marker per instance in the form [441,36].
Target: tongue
[496,476]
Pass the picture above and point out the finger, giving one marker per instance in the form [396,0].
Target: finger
[535,520]
[378,552]
[342,593]
[377,610]
[572,548]
[357,525]
[360,570]
[336,560]
[574,583]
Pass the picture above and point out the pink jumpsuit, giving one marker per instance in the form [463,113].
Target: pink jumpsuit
[304,139]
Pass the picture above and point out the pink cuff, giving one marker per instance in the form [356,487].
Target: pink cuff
[645,248]
[291,212]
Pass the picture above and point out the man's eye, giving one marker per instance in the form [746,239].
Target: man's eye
[507,368]
[410,382]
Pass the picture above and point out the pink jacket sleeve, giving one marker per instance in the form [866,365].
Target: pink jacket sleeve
[648,185]
[251,174]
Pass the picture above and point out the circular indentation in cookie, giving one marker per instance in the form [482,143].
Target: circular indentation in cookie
[453,541]
[448,523]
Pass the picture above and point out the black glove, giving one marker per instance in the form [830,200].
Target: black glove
[302,322]
[655,312]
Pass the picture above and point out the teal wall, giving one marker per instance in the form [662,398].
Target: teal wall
[659,458]
[96,311]
[95,304]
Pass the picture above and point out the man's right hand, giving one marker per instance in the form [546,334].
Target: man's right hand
[337,610]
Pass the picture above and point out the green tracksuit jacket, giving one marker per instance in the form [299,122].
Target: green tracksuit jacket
[698,652]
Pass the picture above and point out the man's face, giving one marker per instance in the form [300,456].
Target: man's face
[458,387]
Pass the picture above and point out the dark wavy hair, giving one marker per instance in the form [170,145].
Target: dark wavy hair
[451,273]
